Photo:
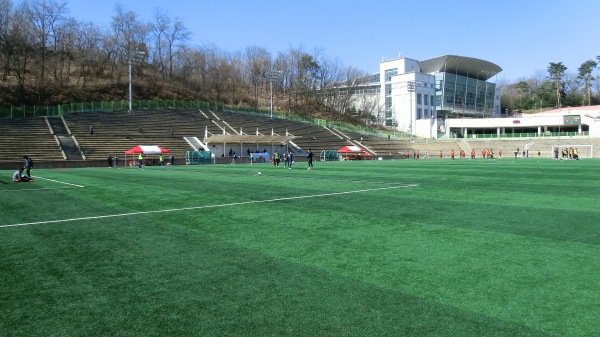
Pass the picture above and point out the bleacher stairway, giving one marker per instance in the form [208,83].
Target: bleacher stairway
[66,141]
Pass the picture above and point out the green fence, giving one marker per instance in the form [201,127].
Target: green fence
[329,155]
[198,157]
[25,111]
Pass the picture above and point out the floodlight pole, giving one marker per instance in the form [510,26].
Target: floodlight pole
[271,93]
[560,120]
[133,56]
[130,91]
[273,75]
[411,86]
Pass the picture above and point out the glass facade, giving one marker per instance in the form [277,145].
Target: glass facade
[463,95]
[389,113]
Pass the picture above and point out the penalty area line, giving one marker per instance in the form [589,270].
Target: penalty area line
[207,206]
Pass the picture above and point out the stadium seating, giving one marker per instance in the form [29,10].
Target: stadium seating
[32,137]
[115,132]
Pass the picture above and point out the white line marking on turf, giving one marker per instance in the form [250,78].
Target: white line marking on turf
[39,189]
[60,182]
[207,206]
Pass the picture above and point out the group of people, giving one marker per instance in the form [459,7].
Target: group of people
[567,153]
[113,161]
[161,161]
[485,154]
[288,159]
[18,176]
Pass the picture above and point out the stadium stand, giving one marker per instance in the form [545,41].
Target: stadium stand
[32,137]
[115,132]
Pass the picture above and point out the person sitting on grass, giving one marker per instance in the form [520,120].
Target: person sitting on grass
[19,177]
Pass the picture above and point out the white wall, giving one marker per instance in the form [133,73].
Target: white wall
[404,103]
[520,122]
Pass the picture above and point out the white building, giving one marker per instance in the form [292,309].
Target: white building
[418,96]
[451,96]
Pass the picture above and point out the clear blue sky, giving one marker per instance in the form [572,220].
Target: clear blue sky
[522,37]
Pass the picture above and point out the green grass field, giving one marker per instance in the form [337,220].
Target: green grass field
[371,248]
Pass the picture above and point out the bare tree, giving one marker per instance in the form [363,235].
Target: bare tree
[235,78]
[257,65]
[90,54]
[129,34]
[190,70]
[45,18]
[168,35]
[18,45]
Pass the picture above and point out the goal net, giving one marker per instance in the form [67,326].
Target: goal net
[583,151]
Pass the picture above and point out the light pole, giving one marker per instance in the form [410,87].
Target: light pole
[133,57]
[411,87]
[274,75]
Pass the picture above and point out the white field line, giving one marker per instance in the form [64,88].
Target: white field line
[206,206]
[60,182]
[48,188]
[39,189]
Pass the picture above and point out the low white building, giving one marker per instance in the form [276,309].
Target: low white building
[573,122]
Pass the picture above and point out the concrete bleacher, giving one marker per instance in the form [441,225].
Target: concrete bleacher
[116,132]
[32,137]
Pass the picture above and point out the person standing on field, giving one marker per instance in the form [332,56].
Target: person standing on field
[309,159]
[286,159]
[28,165]
[290,159]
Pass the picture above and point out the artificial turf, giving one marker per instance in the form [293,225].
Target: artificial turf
[369,248]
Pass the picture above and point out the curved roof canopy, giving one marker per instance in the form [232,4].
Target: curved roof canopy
[460,65]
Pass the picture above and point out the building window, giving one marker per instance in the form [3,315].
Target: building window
[426,100]
[431,99]
[419,113]
[419,98]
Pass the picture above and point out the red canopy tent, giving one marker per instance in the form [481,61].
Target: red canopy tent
[353,149]
[147,149]
[353,152]
[143,149]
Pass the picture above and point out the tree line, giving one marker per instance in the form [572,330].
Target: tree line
[49,57]
[554,88]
